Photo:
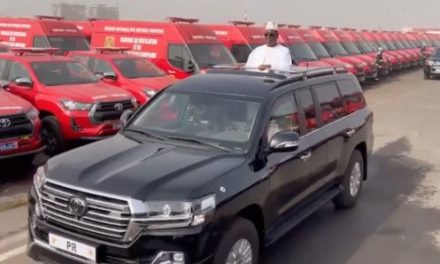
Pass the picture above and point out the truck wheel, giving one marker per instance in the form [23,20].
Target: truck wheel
[51,136]
[240,244]
[352,182]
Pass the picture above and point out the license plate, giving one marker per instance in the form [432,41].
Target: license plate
[8,146]
[117,124]
[73,247]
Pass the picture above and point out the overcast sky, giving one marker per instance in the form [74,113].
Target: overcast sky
[385,14]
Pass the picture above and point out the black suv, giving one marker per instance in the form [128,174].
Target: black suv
[209,171]
[431,66]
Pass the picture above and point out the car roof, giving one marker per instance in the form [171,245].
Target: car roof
[110,55]
[33,57]
[249,83]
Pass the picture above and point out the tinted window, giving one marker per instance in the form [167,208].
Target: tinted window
[102,66]
[335,48]
[302,52]
[54,73]
[178,56]
[284,117]
[69,43]
[241,52]
[307,106]
[2,68]
[352,96]
[84,60]
[41,42]
[319,50]
[17,71]
[208,55]
[330,102]
[137,68]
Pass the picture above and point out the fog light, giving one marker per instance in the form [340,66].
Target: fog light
[169,258]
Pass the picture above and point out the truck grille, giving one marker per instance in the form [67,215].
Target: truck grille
[18,125]
[110,111]
[106,218]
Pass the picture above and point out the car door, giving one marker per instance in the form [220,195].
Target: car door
[288,170]
[330,111]
[315,138]
[18,70]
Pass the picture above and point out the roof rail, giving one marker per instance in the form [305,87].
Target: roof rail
[103,50]
[182,19]
[287,76]
[41,17]
[241,23]
[23,51]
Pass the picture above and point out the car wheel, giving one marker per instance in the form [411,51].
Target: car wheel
[351,182]
[240,244]
[51,136]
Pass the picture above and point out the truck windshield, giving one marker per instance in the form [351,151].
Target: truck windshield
[319,50]
[364,47]
[350,47]
[133,68]
[52,73]
[336,48]
[302,52]
[223,120]
[68,43]
[209,55]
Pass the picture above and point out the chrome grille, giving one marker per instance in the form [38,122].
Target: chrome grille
[20,126]
[106,218]
[107,111]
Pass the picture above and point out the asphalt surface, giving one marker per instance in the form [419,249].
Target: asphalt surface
[397,219]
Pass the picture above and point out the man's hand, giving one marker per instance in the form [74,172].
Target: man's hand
[263,67]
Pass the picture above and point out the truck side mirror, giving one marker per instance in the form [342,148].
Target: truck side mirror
[4,84]
[190,67]
[24,82]
[284,142]
[110,76]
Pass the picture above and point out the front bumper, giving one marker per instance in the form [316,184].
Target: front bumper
[198,246]
[23,153]
[429,70]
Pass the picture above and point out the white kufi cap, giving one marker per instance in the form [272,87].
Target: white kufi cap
[271,25]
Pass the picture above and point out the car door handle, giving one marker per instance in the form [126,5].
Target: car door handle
[350,132]
[306,156]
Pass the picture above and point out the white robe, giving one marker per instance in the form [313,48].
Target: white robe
[277,57]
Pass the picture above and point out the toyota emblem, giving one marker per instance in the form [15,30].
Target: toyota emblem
[119,107]
[5,122]
[78,206]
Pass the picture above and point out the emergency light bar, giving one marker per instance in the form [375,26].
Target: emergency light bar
[315,27]
[181,19]
[111,49]
[241,23]
[22,51]
[50,17]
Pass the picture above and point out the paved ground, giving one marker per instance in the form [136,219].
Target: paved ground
[397,219]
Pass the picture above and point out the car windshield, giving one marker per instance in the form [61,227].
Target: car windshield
[364,47]
[68,43]
[319,50]
[351,48]
[223,120]
[133,68]
[399,44]
[335,48]
[302,52]
[52,73]
[391,45]
[209,55]
[383,44]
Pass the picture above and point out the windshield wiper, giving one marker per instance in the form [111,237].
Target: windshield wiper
[201,142]
[145,133]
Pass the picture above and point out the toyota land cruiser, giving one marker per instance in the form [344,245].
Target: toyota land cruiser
[210,170]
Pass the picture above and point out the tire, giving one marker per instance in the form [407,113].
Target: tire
[241,231]
[52,136]
[351,182]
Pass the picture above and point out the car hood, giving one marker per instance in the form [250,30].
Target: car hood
[144,171]
[156,83]
[11,104]
[89,93]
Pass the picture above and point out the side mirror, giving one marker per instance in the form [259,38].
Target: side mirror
[125,117]
[190,67]
[24,82]
[284,142]
[4,84]
[109,76]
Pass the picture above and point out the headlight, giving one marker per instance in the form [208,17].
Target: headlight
[164,215]
[348,66]
[40,177]
[361,65]
[76,106]
[32,114]
[150,92]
